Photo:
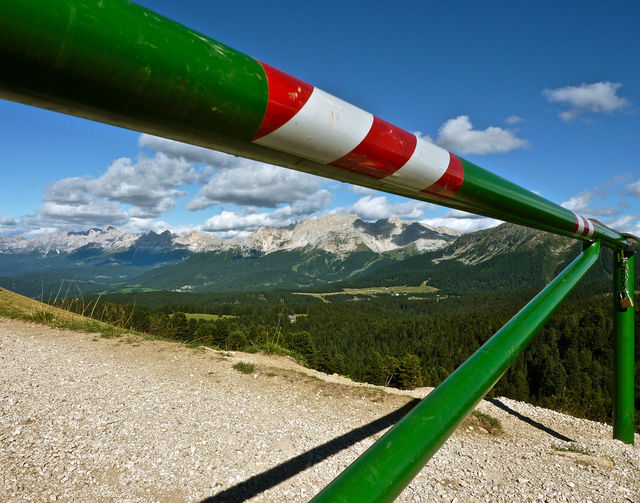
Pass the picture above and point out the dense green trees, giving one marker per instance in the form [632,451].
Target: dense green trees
[302,344]
[410,372]
[408,343]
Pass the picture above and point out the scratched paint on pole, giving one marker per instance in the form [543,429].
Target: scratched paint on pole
[413,174]
[286,96]
[324,129]
[382,152]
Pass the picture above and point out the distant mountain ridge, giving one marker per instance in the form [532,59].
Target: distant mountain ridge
[316,251]
[324,254]
[506,257]
[478,247]
[107,240]
[334,233]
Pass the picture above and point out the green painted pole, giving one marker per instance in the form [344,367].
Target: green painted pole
[624,311]
[116,62]
[386,468]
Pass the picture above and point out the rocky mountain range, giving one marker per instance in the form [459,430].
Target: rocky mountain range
[336,233]
[330,252]
[478,247]
[328,248]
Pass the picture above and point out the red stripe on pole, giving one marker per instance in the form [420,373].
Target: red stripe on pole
[384,150]
[287,95]
[449,184]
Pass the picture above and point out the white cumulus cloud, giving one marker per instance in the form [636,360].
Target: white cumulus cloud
[627,223]
[464,225]
[599,97]
[233,223]
[149,185]
[96,212]
[191,153]
[458,135]
[462,221]
[581,204]
[136,225]
[359,189]
[133,193]
[633,189]
[513,119]
[7,221]
[371,208]
[256,185]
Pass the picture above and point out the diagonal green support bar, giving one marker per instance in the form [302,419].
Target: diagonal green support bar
[389,465]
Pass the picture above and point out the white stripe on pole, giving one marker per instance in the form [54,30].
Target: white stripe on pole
[424,168]
[590,228]
[580,224]
[324,130]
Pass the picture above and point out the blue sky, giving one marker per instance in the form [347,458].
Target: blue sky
[545,94]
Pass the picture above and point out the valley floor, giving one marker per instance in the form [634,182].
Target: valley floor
[83,418]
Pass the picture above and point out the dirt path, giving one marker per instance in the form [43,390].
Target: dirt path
[84,418]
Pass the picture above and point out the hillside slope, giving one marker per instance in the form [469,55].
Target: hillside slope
[15,304]
[506,257]
[93,419]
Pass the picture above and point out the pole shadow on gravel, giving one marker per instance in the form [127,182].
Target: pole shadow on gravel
[272,477]
[528,420]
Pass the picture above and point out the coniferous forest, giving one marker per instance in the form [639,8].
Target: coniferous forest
[398,341]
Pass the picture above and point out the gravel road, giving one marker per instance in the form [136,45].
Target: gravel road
[88,419]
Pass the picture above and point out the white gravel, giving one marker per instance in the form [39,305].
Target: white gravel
[84,418]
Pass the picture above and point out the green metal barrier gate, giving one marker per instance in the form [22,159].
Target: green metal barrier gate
[115,62]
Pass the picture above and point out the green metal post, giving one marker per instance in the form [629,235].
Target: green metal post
[624,308]
[387,467]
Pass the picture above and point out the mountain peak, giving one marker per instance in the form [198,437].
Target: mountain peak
[477,247]
[333,232]
[342,234]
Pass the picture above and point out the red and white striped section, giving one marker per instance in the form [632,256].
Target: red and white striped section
[307,122]
[583,226]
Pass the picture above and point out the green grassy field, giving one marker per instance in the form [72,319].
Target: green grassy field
[208,317]
[375,291]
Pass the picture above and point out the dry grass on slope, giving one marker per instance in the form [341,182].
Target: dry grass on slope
[13,305]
